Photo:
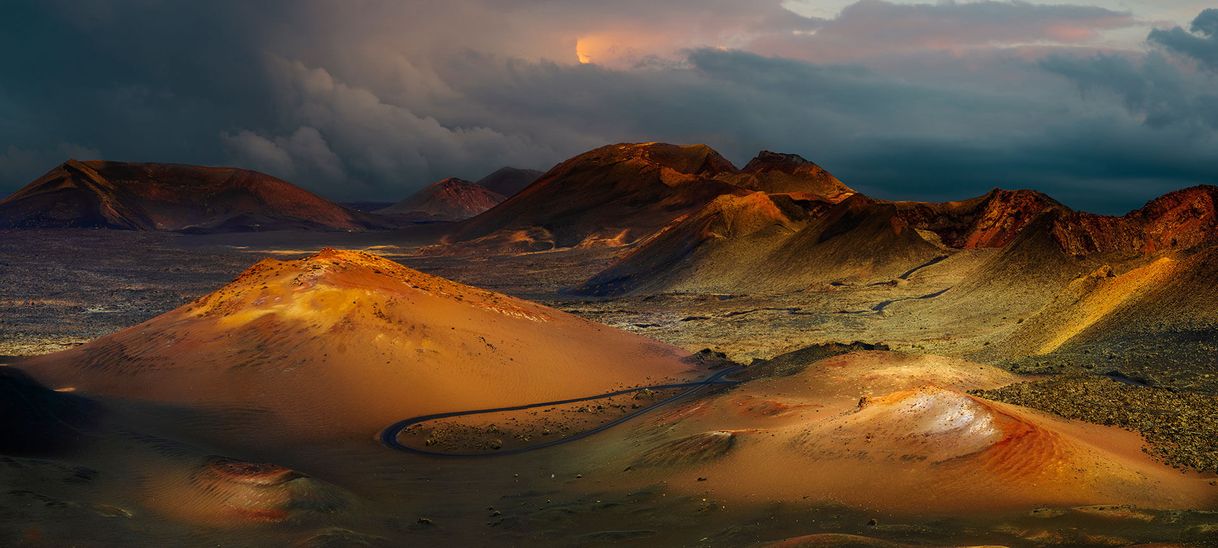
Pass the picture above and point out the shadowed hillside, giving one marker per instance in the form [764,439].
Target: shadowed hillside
[171,197]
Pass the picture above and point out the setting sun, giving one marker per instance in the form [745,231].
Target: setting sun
[581,51]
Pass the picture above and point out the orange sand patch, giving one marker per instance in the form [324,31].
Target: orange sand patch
[898,433]
[345,343]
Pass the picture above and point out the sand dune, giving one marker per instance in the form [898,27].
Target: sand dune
[344,343]
[221,491]
[899,433]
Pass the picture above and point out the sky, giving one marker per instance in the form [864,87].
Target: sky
[1103,104]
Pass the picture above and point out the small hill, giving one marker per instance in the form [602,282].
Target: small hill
[634,189]
[451,199]
[709,249]
[1151,318]
[507,181]
[1060,245]
[344,343]
[859,239]
[770,243]
[171,197]
[883,429]
[1088,300]
[775,172]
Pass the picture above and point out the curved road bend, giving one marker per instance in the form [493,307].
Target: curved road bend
[389,436]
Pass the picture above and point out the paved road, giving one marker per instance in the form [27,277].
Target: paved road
[389,436]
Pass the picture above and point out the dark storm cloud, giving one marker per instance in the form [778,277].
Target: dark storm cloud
[376,101]
[1150,86]
[1201,44]
[884,135]
[1155,86]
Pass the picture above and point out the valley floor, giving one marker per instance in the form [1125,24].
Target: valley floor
[61,288]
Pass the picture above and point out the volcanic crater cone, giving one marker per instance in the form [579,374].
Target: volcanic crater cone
[632,188]
[507,181]
[451,199]
[171,197]
[346,342]
[901,433]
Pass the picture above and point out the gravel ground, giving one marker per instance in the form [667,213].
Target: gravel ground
[1180,427]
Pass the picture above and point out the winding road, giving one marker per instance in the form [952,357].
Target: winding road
[926,264]
[389,436]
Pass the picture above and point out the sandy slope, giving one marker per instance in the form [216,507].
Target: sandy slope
[898,433]
[708,250]
[344,343]
[759,243]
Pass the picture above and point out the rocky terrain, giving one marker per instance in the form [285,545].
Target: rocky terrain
[999,370]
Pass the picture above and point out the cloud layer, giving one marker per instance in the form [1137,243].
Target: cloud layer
[900,99]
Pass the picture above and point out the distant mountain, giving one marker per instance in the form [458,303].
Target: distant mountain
[1123,287]
[709,249]
[1177,220]
[171,197]
[768,243]
[858,240]
[509,180]
[1183,219]
[991,220]
[623,194]
[776,242]
[775,172]
[451,199]
[618,192]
